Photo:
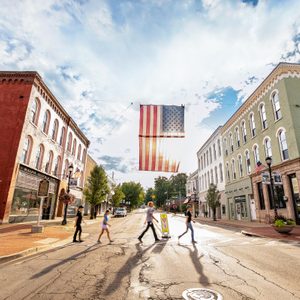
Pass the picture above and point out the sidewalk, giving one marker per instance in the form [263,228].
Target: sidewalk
[253,229]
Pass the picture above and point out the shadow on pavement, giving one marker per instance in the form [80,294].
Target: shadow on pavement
[159,247]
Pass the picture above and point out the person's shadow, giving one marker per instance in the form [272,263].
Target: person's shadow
[195,258]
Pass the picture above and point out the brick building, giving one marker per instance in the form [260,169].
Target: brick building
[38,140]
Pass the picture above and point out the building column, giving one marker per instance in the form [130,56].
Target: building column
[289,195]
[267,204]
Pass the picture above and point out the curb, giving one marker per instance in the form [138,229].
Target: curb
[248,233]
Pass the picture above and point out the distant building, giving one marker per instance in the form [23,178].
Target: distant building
[192,191]
[38,140]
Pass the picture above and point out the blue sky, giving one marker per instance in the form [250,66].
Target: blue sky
[98,56]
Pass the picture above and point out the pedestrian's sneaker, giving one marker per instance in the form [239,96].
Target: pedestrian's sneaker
[80,241]
[157,240]
[140,239]
[111,241]
[194,242]
[99,241]
[75,241]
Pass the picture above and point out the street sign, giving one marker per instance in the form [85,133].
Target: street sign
[43,188]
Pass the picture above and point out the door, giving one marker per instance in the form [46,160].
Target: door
[253,210]
[238,211]
[296,196]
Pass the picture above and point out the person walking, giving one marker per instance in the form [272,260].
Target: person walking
[189,225]
[104,227]
[77,224]
[149,220]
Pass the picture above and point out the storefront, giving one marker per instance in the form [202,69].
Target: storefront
[25,204]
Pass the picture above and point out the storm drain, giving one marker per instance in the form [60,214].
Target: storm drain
[201,294]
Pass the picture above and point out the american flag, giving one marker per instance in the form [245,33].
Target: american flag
[158,123]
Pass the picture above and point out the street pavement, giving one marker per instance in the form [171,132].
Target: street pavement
[237,266]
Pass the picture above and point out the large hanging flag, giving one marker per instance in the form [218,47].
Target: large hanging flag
[158,124]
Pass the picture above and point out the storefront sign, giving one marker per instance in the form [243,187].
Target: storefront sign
[275,176]
[164,224]
[43,188]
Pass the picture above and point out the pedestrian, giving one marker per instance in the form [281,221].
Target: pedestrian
[149,220]
[104,226]
[77,224]
[189,225]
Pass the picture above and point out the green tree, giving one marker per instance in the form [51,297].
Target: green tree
[97,188]
[118,196]
[178,184]
[162,188]
[213,199]
[150,195]
[134,193]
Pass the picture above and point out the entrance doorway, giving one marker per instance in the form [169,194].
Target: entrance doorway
[296,196]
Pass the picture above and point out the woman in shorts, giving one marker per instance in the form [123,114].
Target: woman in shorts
[104,227]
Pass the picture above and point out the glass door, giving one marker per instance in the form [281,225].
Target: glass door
[296,196]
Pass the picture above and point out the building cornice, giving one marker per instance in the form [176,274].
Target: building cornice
[210,139]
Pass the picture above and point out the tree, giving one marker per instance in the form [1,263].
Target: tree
[118,196]
[162,190]
[150,195]
[97,188]
[134,193]
[178,184]
[213,199]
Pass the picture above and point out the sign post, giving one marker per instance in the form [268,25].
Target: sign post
[164,226]
[42,193]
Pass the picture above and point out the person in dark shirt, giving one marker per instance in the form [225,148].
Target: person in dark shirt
[78,221]
[189,225]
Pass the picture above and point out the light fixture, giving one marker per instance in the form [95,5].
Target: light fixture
[71,168]
[269,160]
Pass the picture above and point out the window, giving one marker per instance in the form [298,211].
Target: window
[66,169]
[62,136]
[252,125]
[25,157]
[261,195]
[268,149]
[205,180]
[279,195]
[240,162]
[237,137]
[208,178]
[210,155]
[69,147]
[231,142]
[283,145]
[34,111]
[221,172]
[54,130]
[216,175]
[244,132]
[204,160]
[225,146]
[219,148]
[57,166]
[212,176]
[39,157]
[276,106]
[46,121]
[74,147]
[207,159]
[263,116]
[215,152]
[256,154]
[227,172]
[233,169]
[48,166]
[201,163]
[83,155]
[248,162]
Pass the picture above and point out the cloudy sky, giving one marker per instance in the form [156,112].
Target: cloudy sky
[98,57]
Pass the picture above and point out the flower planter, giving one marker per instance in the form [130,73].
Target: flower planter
[284,229]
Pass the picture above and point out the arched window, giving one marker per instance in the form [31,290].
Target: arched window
[225,146]
[248,162]
[54,130]
[83,155]
[62,136]
[205,180]
[215,152]
[74,147]
[252,124]
[240,162]
[216,174]
[69,147]
[46,121]
[283,145]
[207,159]
[244,132]
[276,106]
[201,162]
[227,172]
[210,155]
[263,116]
[35,111]
[256,154]
[39,157]
[231,141]
[57,166]
[212,176]
[66,169]
[221,172]
[233,169]
[204,158]
[48,166]
[25,156]
[219,148]
[208,177]
[237,137]
[268,148]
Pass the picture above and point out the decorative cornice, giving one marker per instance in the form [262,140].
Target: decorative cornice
[210,139]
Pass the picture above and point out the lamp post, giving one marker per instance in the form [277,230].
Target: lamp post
[70,169]
[269,162]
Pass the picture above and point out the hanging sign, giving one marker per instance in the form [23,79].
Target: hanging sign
[43,188]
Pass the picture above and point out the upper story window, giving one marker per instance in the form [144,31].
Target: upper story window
[221,172]
[54,130]
[240,162]
[208,177]
[219,148]
[201,162]
[210,155]
[237,137]
[252,124]
[57,166]
[46,121]
[216,174]
[231,142]
[66,169]
[244,132]
[233,169]
[268,148]
[70,138]
[248,162]
[83,155]
[283,144]
[25,157]
[35,111]
[212,175]
[215,152]
[225,146]
[74,147]
[263,116]
[48,166]
[256,154]
[207,158]
[62,136]
[276,106]
[227,172]
[39,157]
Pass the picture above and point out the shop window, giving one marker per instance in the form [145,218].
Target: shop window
[261,196]
[279,195]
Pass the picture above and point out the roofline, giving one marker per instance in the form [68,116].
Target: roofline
[210,137]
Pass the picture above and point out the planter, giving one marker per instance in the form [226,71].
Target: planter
[284,229]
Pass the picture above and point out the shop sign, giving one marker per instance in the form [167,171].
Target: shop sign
[43,188]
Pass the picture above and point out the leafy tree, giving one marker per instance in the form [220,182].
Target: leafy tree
[118,196]
[150,195]
[162,188]
[134,193]
[97,188]
[178,184]
[213,199]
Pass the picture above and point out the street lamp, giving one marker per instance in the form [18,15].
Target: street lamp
[70,169]
[269,162]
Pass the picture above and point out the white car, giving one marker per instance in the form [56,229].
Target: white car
[120,212]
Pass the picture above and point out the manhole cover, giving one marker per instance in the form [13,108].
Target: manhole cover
[201,294]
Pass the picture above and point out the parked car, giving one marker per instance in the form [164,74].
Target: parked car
[120,212]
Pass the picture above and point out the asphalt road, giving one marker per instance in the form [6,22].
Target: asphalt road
[236,266]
